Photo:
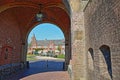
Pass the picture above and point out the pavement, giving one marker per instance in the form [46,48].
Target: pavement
[49,58]
[59,75]
[44,69]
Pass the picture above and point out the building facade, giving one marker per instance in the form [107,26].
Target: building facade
[46,46]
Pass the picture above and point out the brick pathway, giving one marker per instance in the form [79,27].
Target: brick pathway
[59,75]
[43,70]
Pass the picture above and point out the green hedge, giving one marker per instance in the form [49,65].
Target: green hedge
[61,56]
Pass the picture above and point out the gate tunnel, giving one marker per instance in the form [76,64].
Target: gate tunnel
[17,18]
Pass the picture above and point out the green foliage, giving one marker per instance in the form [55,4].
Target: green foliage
[59,48]
[38,49]
[61,56]
[29,44]
[31,57]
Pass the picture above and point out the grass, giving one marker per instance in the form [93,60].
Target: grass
[61,56]
[31,57]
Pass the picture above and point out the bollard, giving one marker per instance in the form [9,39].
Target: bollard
[64,66]
[27,64]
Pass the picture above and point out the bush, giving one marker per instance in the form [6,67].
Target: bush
[61,56]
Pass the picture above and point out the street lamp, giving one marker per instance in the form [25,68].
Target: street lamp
[40,14]
[39,17]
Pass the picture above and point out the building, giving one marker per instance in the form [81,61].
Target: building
[46,46]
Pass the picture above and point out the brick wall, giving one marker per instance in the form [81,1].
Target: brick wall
[9,36]
[78,47]
[102,27]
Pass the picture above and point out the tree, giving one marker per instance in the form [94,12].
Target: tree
[59,48]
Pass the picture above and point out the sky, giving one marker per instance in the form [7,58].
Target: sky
[46,31]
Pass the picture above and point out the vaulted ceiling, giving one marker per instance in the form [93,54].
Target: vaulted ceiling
[24,12]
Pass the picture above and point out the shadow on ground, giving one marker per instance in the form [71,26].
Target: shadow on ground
[39,67]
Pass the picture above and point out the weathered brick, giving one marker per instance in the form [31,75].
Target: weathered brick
[102,28]
[9,36]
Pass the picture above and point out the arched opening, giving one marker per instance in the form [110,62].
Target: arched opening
[11,14]
[107,56]
[46,45]
[90,51]
[90,64]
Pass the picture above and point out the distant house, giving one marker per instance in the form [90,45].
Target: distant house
[46,46]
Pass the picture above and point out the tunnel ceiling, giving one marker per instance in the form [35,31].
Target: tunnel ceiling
[24,12]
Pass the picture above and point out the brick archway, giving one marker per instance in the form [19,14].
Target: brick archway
[17,18]
[67,45]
